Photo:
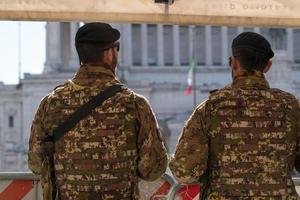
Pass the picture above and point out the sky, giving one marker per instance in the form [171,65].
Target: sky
[33,49]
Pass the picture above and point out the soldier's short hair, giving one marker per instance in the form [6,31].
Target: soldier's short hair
[90,52]
[250,60]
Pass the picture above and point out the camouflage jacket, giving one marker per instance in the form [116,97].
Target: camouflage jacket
[242,141]
[105,153]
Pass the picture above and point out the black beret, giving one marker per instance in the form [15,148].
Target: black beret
[97,32]
[254,41]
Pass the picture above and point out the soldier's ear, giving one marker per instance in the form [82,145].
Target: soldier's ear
[234,63]
[108,55]
[268,67]
[111,54]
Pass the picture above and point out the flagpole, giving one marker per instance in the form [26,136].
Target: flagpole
[191,81]
[19,52]
[194,69]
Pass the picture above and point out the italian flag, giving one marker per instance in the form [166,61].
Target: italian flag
[192,65]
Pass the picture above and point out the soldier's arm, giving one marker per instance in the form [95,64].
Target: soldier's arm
[189,162]
[36,153]
[297,160]
[153,159]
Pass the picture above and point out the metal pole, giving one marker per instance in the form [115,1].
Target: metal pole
[194,68]
[20,51]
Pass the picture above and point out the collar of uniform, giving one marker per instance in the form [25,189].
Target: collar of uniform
[86,71]
[93,76]
[255,79]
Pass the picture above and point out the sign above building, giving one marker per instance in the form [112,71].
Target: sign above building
[218,12]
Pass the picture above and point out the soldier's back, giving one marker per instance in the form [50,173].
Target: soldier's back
[97,159]
[253,137]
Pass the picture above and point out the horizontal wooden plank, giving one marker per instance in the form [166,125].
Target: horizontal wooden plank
[218,12]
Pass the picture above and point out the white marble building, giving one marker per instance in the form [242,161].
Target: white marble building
[154,62]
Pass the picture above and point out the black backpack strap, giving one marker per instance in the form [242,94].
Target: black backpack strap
[84,111]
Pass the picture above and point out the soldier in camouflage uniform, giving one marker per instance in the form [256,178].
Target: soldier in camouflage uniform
[243,141]
[103,156]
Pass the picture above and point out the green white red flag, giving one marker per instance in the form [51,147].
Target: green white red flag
[190,83]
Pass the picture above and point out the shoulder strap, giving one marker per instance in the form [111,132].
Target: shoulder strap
[85,110]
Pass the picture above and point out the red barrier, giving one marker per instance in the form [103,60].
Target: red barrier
[155,190]
[188,192]
[24,186]
[17,190]
[162,191]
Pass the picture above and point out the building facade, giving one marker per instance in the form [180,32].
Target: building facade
[153,61]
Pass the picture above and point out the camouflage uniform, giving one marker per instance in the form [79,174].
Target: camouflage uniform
[245,138]
[105,153]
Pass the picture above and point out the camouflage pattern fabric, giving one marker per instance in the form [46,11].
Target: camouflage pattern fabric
[245,138]
[105,153]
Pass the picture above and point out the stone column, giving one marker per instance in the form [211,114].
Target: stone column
[257,30]
[160,45]
[280,75]
[144,43]
[224,41]
[240,29]
[74,60]
[126,48]
[53,47]
[176,50]
[208,46]
[290,43]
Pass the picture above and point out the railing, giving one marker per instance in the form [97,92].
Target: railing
[26,186]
